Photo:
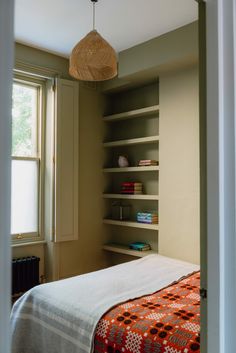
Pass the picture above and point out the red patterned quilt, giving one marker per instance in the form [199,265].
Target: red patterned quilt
[167,321]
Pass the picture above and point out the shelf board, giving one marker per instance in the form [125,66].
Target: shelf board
[131,197]
[122,249]
[131,224]
[132,114]
[129,142]
[131,169]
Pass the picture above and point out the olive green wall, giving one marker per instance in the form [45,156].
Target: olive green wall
[144,62]
[27,57]
[175,46]
[179,187]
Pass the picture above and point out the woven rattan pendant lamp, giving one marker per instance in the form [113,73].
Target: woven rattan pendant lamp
[93,59]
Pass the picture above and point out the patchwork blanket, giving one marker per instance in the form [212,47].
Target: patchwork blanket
[167,321]
[62,316]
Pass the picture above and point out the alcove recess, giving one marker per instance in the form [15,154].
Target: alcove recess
[131,129]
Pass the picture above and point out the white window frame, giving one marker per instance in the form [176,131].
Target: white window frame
[34,81]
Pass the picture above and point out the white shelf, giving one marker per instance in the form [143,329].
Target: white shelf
[131,197]
[122,249]
[133,114]
[131,224]
[135,141]
[131,169]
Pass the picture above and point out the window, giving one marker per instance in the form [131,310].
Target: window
[27,161]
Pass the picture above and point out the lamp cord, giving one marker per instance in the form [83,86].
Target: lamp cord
[94,15]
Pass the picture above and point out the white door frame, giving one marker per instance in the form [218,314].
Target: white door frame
[221,242]
[221,239]
[6,64]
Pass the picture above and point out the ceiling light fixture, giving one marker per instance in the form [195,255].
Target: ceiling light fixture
[93,58]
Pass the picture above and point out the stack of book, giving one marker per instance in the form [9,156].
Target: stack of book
[147,162]
[139,246]
[147,217]
[131,188]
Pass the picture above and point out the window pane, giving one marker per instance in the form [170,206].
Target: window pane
[24,206]
[24,120]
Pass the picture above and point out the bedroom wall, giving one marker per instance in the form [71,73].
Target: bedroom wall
[179,165]
[84,255]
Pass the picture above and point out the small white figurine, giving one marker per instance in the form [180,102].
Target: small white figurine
[123,162]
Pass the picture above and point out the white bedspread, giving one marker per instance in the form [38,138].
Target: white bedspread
[61,317]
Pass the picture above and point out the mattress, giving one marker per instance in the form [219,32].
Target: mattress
[62,316]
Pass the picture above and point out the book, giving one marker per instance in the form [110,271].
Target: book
[147,221]
[149,217]
[140,246]
[147,162]
[132,192]
[131,188]
[131,184]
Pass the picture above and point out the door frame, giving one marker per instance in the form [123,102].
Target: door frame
[221,200]
[6,65]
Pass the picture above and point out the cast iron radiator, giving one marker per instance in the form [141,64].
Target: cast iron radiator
[25,273]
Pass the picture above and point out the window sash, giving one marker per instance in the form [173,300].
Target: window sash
[39,87]
[40,84]
[31,235]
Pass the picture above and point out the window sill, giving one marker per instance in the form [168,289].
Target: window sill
[29,243]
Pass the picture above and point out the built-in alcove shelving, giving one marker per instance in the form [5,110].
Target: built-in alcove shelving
[133,133]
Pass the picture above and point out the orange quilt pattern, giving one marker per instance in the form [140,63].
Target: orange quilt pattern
[167,321]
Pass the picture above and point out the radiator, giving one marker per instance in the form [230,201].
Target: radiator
[25,274]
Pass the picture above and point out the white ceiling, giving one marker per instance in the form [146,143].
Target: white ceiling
[57,25]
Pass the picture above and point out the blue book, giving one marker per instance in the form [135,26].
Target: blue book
[139,246]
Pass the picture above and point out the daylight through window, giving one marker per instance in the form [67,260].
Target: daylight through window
[26,159]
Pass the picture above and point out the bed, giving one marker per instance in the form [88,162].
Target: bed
[150,305]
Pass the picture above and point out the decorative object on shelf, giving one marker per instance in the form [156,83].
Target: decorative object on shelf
[123,162]
[139,246]
[132,188]
[147,162]
[93,58]
[149,217]
[120,211]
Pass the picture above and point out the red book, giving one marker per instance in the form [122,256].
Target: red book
[132,183]
[132,189]
[131,192]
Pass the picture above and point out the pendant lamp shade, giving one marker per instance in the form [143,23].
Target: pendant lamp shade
[93,59]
